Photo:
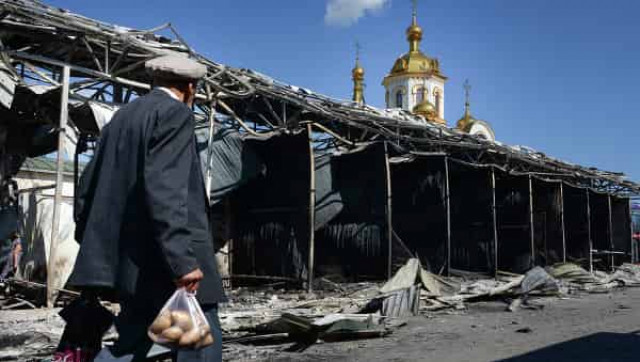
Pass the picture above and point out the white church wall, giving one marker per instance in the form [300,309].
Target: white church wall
[410,85]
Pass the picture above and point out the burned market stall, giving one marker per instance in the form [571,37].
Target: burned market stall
[271,212]
[548,222]
[576,225]
[601,241]
[513,208]
[299,181]
[473,232]
[420,209]
[351,214]
[621,229]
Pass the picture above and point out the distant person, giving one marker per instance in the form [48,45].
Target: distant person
[15,253]
[142,215]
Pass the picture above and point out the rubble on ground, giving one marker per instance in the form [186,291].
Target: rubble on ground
[259,322]
[29,334]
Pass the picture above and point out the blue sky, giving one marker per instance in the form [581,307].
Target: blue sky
[559,76]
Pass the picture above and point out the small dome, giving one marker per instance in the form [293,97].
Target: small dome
[358,73]
[414,32]
[465,122]
[425,108]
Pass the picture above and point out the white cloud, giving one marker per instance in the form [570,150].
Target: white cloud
[347,12]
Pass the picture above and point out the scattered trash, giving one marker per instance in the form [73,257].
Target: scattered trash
[579,279]
[261,321]
[524,330]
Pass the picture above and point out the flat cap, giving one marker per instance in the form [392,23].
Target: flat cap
[175,67]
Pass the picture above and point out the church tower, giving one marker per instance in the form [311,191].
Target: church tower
[357,75]
[415,83]
[469,124]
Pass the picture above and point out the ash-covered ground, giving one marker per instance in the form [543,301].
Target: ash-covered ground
[585,328]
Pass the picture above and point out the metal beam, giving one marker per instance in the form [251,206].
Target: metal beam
[55,226]
[389,212]
[448,211]
[212,118]
[629,222]
[312,212]
[564,233]
[531,224]
[590,240]
[495,222]
[611,231]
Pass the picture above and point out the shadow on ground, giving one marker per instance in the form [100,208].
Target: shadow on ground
[598,347]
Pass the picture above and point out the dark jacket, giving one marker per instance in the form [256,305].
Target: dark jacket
[141,213]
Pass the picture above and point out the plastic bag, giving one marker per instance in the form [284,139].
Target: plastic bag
[181,324]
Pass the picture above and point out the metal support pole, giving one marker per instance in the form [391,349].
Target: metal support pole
[76,170]
[106,56]
[564,234]
[448,206]
[589,231]
[495,222]
[531,226]
[228,233]
[212,116]
[389,213]
[611,231]
[55,225]
[312,212]
[629,222]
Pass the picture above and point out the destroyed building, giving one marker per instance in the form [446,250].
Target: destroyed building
[301,184]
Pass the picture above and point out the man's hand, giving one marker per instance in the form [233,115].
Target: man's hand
[190,281]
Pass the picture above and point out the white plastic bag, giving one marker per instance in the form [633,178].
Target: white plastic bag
[181,324]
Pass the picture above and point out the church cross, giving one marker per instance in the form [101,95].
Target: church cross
[467,89]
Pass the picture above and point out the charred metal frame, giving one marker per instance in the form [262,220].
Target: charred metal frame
[92,60]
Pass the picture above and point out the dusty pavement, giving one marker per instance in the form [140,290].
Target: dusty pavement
[593,327]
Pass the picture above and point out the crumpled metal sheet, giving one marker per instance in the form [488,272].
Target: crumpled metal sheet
[412,273]
[402,303]
[536,278]
[572,273]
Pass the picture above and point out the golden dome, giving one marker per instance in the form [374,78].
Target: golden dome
[425,109]
[414,32]
[466,121]
[415,62]
[357,73]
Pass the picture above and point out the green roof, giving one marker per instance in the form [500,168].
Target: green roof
[47,164]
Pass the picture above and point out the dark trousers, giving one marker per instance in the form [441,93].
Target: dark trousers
[134,344]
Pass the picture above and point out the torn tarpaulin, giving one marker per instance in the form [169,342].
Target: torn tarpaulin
[233,161]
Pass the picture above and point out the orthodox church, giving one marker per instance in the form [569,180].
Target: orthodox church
[417,85]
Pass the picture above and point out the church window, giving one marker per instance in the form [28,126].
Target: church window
[421,94]
[438,102]
[399,98]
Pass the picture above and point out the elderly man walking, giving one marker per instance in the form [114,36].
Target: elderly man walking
[142,215]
